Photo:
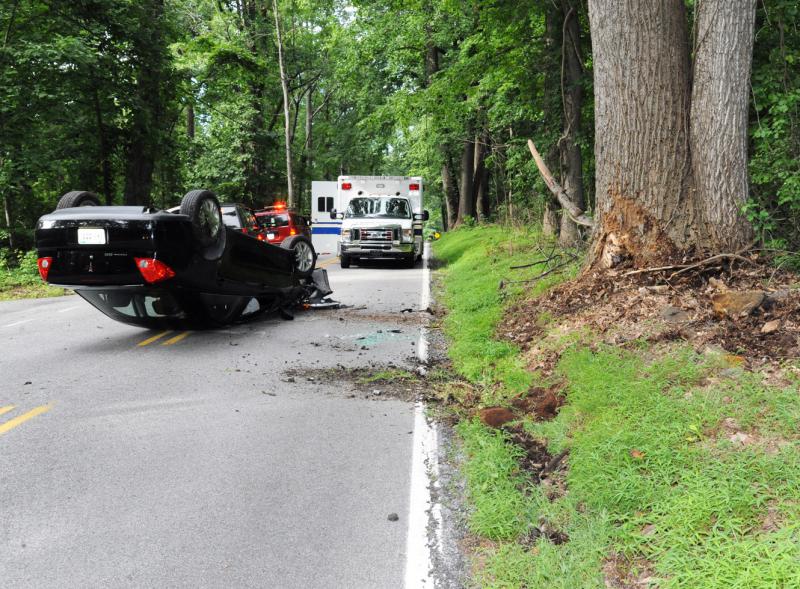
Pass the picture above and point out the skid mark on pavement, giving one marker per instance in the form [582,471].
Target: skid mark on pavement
[20,419]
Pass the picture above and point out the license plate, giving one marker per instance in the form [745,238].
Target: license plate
[91,236]
[270,236]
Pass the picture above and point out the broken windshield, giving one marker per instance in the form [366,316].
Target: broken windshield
[378,207]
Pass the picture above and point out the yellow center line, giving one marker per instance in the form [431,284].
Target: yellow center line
[6,409]
[150,340]
[328,262]
[176,339]
[11,424]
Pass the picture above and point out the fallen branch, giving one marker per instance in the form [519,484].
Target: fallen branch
[550,259]
[503,283]
[573,212]
[681,268]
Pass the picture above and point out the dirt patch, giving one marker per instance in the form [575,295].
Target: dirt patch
[377,382]
[406,316]
[624,573]
[621,307]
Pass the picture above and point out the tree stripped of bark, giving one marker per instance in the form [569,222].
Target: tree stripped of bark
[576,214]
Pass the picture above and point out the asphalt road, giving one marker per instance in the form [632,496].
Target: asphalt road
[134,458]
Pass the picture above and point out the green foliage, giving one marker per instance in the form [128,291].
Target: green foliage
[774,208]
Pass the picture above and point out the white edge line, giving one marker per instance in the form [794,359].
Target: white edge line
[424,469]
[20,322]
[67,309]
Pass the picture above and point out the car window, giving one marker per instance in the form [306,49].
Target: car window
[230,217]
[381,206]
[277,220]
[249,218]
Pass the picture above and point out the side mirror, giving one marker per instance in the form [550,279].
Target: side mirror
[333,214]
[424,216]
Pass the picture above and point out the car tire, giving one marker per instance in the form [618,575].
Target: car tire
[305,256]
[205,215]
[344,261]
[78,198]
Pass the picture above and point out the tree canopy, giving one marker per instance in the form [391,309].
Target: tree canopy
[142,100]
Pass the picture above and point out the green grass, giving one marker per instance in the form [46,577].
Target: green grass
[689,501]
[477,260]
[21,280]
[653,476]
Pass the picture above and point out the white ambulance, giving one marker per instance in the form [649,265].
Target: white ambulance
[378,217]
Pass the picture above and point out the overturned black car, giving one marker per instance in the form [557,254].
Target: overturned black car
[183,266]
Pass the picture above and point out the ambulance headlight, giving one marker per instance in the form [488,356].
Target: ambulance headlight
[408,235]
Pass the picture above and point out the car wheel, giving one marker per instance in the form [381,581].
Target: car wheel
[205,215]
[78,198]
[305,258]
[344,261]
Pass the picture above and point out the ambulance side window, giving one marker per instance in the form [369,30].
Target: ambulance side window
[325,204]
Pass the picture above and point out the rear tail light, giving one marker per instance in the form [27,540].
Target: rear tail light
[346,185]
[44,267]
[261,237]
[153,270]
[413,186]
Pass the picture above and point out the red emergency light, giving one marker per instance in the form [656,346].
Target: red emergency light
[346,185]
[413,186]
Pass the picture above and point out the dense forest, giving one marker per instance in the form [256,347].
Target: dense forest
[140,101]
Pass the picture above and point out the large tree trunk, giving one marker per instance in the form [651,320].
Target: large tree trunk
[670,182]
[720,99]
[641,85]
[572,94]
[466,202]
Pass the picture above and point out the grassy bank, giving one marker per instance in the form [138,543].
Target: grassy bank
[19,279]
[683,469]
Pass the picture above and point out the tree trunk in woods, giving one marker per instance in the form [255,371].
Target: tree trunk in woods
[308,154]
[105,155]
[718,125]
[190,121]
[143,145]
[449,189]
[8,216]
[550,219]
[287,122]
[572,95]
[466,202]
[480,181]
[450,193]
[650,207]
